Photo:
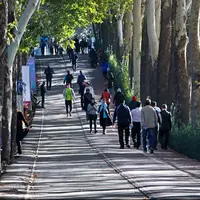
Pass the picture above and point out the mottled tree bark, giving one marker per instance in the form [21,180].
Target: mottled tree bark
[194,55]
[137,32]
[145,63]
[3,63]
[180,63]
[164,58]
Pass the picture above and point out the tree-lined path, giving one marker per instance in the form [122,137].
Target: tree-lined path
[62,160]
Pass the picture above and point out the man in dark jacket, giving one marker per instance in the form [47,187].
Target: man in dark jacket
[43,92]
[94,58]
[49,75]
[68,78]
[118,97]
[122,112]
[87,99]
[166,126]
[81,78]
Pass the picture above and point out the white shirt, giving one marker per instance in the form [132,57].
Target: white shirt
[136,114]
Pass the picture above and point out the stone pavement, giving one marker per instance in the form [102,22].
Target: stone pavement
[62,160]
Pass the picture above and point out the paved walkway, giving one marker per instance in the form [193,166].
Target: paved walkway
[62,160]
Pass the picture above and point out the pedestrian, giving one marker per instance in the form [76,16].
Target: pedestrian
[106,95]
[81,78]
[104,116]
[133,103]
[93,58]
[49,75]
[87,99]
[42,46]
[77,45]
[104,68]
[21,132]
[157,109]
[110,77]
[68,78]
[92,114]
[136,129]
[123,115]
[69,52]
[43,92]
[82,45]
[148,122]
[118,97]
[165,127]
[51,47]
[74,58]
[88,85]
[69,96]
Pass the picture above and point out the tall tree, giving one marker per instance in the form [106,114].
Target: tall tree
[180,63]
[153,43]
[137,32]
[194,55]
[164,52]
[3,59]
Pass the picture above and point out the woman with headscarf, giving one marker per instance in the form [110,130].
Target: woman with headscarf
[104,115]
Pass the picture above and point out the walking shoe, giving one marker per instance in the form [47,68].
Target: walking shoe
[90,131]
[70,114]
[128,146]
[121,147]
[151,151]
[95,131]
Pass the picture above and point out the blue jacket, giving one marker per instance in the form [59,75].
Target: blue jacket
[104,67]
[123,114]
[81,79]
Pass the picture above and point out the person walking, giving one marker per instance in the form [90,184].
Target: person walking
[104,115]
[133,103]
[110,77]
[80,79]
[148,122]
[123,115]
[136,129]
[89,86]
[92,114]
[157,109]
[49,75]
[165,128]
[106,95]
[43,92]
[21,133]
[87,99]
[118,97]
[74,58]
[68,78]
[69,95]
[42,46]
[93,58]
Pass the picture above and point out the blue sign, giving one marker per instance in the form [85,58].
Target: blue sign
[31,63]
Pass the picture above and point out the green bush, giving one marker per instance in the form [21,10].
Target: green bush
[121,78]
[186,140]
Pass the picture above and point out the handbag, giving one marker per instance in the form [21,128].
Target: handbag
[108,121]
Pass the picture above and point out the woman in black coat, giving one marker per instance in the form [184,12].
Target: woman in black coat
[21,133]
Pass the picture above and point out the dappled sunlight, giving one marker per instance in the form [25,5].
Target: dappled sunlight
[62,160]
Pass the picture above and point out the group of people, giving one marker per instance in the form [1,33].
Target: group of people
[154,123]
